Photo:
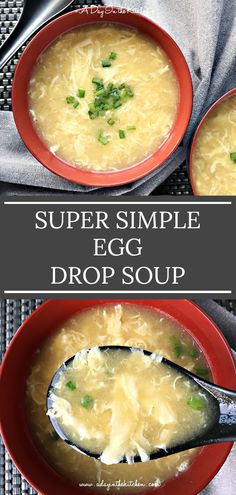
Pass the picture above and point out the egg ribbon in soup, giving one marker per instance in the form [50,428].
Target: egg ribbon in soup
[214,156]
[103,97]
[110,324]
[124,404]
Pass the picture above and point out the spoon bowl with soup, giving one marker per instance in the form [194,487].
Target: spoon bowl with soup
[126,404]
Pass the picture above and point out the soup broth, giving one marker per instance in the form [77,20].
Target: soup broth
[126,325]
[103,97]
[214,157]
[122,404]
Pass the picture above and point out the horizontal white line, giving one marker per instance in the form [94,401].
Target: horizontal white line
[117,292]
[117,203]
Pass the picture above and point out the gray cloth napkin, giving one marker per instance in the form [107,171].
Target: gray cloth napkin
[205,30]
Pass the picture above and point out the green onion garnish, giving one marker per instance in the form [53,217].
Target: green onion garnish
[121,134]
[113,56]
[194,353]
[98,82]
[106,63]
[102,138]
[196,403]
[70,100]
[54,436]
[111,121]
[203,372]
[177,346]
[108,98]
[233,156]
[131,127]
[87,402]
[71,385]
[81,93]
[117,104]
[76,104]
[129,91]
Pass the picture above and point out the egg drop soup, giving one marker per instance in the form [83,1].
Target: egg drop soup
[124,325]
[103,97]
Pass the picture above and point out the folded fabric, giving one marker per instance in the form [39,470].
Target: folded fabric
[206,33]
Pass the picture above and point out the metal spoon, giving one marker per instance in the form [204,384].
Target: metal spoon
[223,425]
[35,14]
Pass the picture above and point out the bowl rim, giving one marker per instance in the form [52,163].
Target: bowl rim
[193,144]
[221,451]
[94,178]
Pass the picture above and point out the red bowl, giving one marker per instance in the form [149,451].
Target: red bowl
[194,187]
[15,369]
[23,74]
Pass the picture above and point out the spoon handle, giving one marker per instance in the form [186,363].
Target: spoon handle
[225,428]
[25,27]
[34,15]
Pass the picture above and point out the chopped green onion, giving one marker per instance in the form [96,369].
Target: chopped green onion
[194,353]
[114,94]
[102,138]
[131,127]
[98,82]
[113,56]
[76,104]
[81,93]
[129,91]
[111,121]
[54,436]
[117,104]
[106,63]
[70,100]
[71,385]
[196,403]
[121,134]
[99,92]
[108,98]
[87,402]
[177,346]
[233,156]
[203,372]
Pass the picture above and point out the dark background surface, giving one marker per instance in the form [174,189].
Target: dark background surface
[177,184]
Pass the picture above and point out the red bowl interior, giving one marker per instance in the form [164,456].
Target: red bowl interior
[22,77]
[15,369]
[194,187]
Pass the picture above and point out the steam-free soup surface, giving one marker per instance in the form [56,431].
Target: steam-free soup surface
[126,325]
[214,157]
[122,404]
[103,97]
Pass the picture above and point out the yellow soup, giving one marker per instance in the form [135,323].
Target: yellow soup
[214,157]
[103,97]
[120,404]
[126,325]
